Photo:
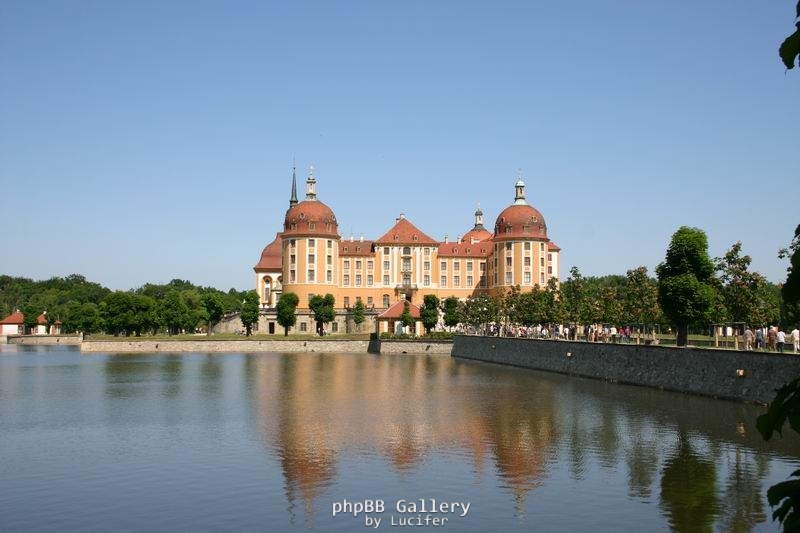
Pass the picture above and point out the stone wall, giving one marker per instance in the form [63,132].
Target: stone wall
[413,347]
[44,339]
[694,370]
[240,346]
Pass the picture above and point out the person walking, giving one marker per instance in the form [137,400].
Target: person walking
[748,339]
[760,339]
[780,340]
[795,336]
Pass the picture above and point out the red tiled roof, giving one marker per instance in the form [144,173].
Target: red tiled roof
[355,248]
[553,247]
[478,235]
[42,319]
[310,217]
[463,249]
[271,257]
[397,309]
[517,221]
[404,232]
[15,318]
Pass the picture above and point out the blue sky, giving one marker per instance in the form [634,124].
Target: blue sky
[150,140]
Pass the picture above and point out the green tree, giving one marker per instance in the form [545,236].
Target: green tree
[480,310]
[287,309]
[573,297]
[791,287]
[685,288]
[640,305]
[790,48]
[215,309]
[30,318]
[324,312]
[359,314]
[429,314]
[249,312]
[406,317]
[452,312]
[173,312]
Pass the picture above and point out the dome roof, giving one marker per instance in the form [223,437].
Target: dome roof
[271,256]
[520,220]
[310,217]
[476,235]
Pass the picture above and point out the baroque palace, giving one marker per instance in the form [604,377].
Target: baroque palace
[404,264]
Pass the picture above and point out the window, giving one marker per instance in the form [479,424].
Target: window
[469,266]
[312,243]
[541,247]
[292,276]
[508,246]
[457,266]
[292,259]
[347,264]
[358,280]
[370,264]
[527,261]
[312,225]
[303,327]
[385,250]
[508,278]
[541,279]
[310,275]
[370,280]
[311,259]
[550,270]
[358,264]
[370,301]
[386,265]
[527,246]
[329,276]
[386,300]
[406,250]
[334,327]
[508,261]
[426,266]
[346,280]
[386,279]
[541,261]
[470,281]
[406,264]
[329,244]
[483,281]
[329,260]
[347,301]
[456,281]
[443,281]
[426,280]
[291,243]
[527,277]
[482,266]
[443,265]
[427,252]
[550,258]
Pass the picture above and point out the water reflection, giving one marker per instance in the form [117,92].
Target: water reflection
[313,408]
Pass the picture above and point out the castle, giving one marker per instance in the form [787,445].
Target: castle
[404,264]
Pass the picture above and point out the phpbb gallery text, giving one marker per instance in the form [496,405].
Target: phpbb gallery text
[421,512]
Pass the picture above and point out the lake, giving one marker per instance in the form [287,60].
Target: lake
[278,442]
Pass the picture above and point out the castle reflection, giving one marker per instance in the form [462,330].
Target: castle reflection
[311,409]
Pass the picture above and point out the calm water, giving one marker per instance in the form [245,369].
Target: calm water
[270,442]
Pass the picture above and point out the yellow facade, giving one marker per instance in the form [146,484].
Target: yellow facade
[309,257]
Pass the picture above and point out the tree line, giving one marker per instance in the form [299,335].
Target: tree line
[88,307]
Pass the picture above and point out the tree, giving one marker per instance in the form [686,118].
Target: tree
[641,298]
[791,288]
[286,309]
[249,312]
[215,309]
[684,281]
[790,48]
[480,310]
[406,317]
[452,313]
[740,288]
[322,307]
[359,314]
[30,317]
[429,314]
[173,312]
[573,298]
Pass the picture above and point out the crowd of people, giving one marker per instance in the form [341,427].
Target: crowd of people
[772,339]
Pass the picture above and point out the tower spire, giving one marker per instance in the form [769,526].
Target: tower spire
[311,185]
[519,197]
[293,199]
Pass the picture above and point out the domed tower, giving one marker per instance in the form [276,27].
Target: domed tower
[523,254]
[310,243]
[478,232]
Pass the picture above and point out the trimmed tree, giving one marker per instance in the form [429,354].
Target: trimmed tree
[452,312]
[406,317]
[287,309]
[215,309]
[359,314]
[249,313]
[322,307]
[685,278]
[429,314]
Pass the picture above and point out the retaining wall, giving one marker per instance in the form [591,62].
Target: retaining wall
[413,347]
[44,339]
[242,346]
[694,370]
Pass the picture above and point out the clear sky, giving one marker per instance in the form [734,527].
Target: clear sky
[142,141]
